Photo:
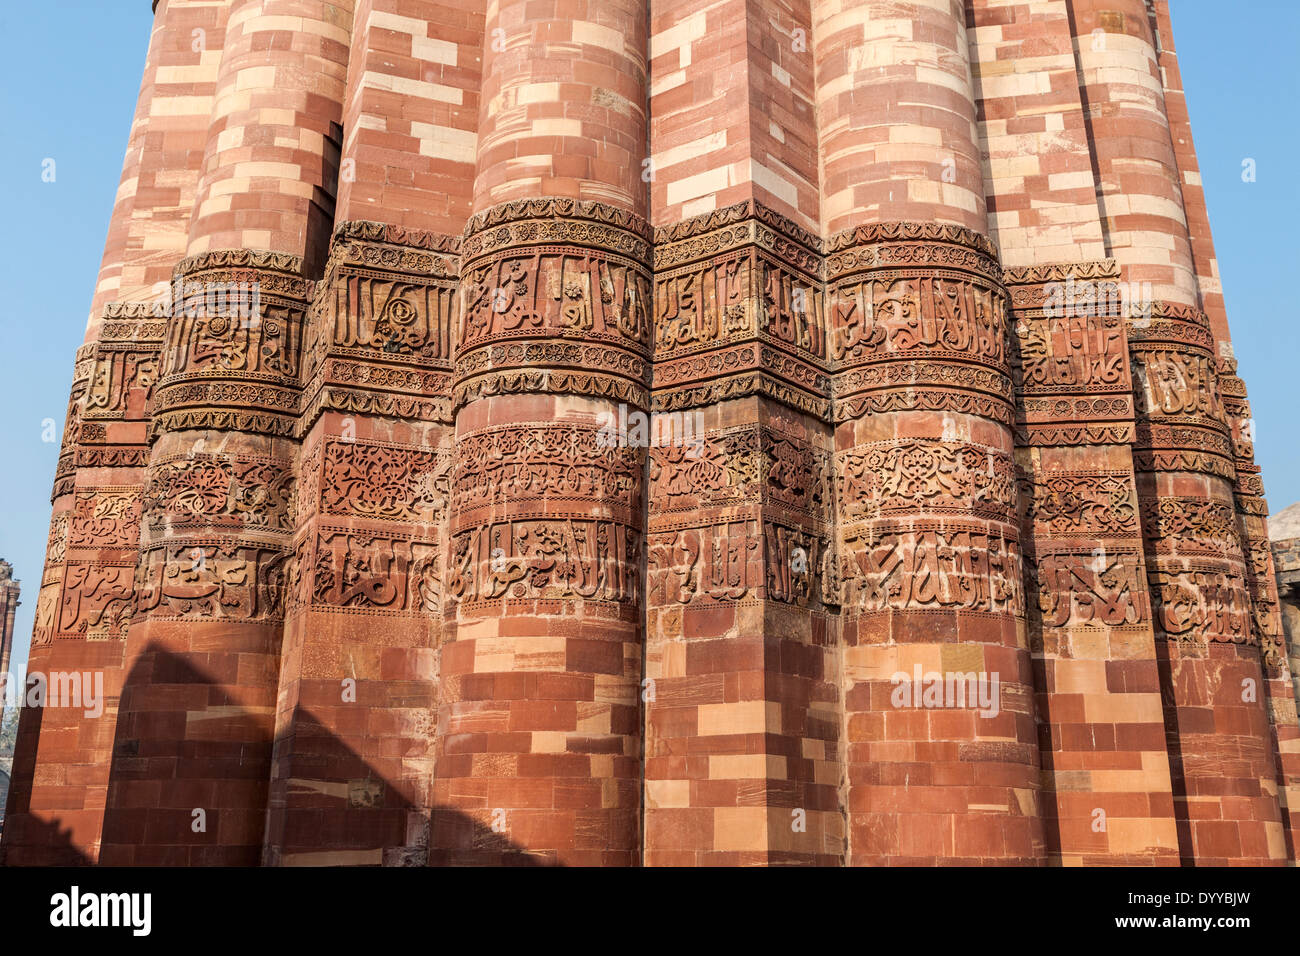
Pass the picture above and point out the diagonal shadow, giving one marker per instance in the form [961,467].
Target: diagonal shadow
[327,806]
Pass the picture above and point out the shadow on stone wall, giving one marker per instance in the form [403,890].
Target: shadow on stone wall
[162,771]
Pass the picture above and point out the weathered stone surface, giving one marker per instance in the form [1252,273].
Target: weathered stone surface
[661,432]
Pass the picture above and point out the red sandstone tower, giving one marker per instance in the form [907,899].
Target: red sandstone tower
[630,432]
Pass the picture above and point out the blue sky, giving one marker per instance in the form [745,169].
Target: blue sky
[68,85]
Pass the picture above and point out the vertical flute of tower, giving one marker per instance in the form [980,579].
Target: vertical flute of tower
[930,554]
[271,165]
[742,763]
[1100,719]
[9,591]
[203,651]
[1224,776]
[539,747]
[897,114]
[147,232]
[357,705]
[86,594]
[1138,190]
[1252,509]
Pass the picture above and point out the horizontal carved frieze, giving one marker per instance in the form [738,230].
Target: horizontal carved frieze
[1146,460]
[564,559]
[1201,603]
[376,317]
[748,464]
[206,490]
[905,314]
[739,562]
[928,398]
[112,456]
[554,355]
[1102,588]
[1071,435]
[925,477]
[914,379]
[931,568]
[555,291]
[743,295]
[1189,525]
[105,518]
[668,239]
[1074,354]
[374,480]
[222,420]
[353,401]
[743,385]
[204,578]
[365,570]
[562,467]
[96,601]
[1068,504]
[551,382]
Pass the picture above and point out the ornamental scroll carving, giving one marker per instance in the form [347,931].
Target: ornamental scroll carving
[746,463]
[544,462]
[56,545]
[233,348]
[105,518]
[920,476]
[919,322]
[1186,525]
[1083,503]
[202,489]
[380,481]
[554,269]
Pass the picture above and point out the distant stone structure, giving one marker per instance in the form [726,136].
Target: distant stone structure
[1284,539]
[9,591]
[362,515]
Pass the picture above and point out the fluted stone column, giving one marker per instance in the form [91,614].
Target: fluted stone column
[539,743]
[86,598]
[1224,775]
[929,546]
[193,748]
[1106,790]
[1252,509]
[352,770]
